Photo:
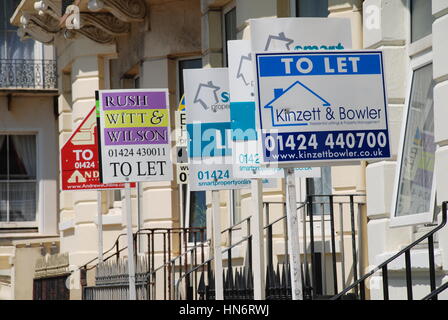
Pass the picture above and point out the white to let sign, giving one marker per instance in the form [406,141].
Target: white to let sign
[208,125]
[134,135]
[322,107]
[247,156]
[300,34]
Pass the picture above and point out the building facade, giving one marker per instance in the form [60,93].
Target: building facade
[28,140]
[148,44]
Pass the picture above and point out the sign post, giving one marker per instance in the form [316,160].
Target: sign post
[100,226]
[317,109]
[246,156]
[134,135]
[80,167]
[130,236]
[258,265]
[219,284]
[293,243]
[210,156]
[287,35]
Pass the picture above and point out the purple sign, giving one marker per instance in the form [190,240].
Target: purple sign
[124,100]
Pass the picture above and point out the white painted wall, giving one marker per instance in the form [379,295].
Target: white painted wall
[35,115]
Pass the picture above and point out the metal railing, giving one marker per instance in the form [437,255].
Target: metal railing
[328,265]
[28,74]
[180,264]
[238,280]
[160,243]
[383,267]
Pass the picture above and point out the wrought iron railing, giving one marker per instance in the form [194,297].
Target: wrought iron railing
[160,245]
[28,74]
[359,285]
[184,267]
[238,280]
[339,219]
[316,213]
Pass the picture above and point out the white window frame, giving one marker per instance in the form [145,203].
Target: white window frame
[27,224]
[421,217]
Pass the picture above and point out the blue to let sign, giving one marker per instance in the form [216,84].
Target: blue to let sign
[322,107]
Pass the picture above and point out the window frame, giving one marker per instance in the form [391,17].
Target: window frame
[422,217]
[294,8]
[185,192]
[4,225]
[38,47]
[225,10]
[409,22]
[178,89]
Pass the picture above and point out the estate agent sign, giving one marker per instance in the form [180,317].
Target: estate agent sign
[79,159]
[322,107]
[208,124]
[134,135]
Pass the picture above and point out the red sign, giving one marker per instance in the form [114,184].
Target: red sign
[79,159]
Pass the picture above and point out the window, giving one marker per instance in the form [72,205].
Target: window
[236,206]
[198,204]
[316,186]
[183,65]
[229,29]
[18,185]
[320,186]
[414,195]
[312,8]
[421,19]
[198,210]
[10,45]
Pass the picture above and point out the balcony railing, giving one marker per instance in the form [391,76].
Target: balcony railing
[28,74]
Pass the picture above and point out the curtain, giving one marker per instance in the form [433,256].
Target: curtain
[3,194]
[22,201]
[2,140]
[3,201]
[17,49]
[3,164]
[22,195]
[10,45]
[26,150]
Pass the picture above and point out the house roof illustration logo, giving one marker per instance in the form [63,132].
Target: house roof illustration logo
[279,42]
[207,94]
[77,177]
[244,68]
[308,98]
